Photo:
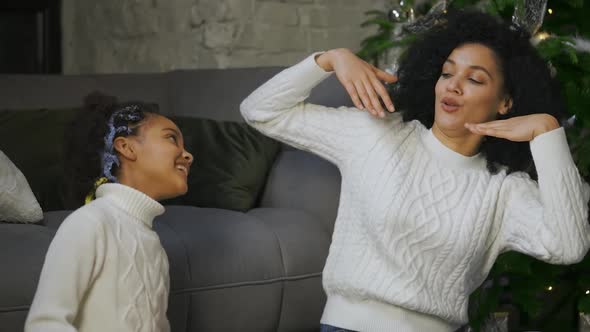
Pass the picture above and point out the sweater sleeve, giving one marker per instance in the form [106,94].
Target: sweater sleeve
[547,219]
[74,259]
[277,109]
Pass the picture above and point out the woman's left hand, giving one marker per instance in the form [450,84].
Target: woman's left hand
[517,129]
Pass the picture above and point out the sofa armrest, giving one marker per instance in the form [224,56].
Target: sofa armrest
[300,180]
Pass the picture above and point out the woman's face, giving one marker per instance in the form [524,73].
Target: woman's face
[161,163]
[469,89]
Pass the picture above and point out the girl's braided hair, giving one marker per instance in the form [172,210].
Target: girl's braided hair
[89,156]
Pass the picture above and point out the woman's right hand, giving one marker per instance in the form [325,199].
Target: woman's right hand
[362,81]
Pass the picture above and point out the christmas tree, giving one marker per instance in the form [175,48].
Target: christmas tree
[536,295]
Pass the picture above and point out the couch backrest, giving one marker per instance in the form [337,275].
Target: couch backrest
[28,92]
[207,93]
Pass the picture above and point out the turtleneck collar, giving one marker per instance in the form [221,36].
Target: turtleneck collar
[450,157]
[132,201]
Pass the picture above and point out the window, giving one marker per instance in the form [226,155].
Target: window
[30,36]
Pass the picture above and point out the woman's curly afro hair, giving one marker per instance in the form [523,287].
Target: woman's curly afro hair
[527,79]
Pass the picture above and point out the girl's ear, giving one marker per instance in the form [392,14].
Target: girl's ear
[125,147]
[505,108]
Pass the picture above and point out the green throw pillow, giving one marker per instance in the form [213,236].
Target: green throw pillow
[231,163]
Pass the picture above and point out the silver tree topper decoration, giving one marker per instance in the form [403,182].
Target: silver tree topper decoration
[529,14]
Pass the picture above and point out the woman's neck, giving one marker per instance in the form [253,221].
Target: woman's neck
[462,142]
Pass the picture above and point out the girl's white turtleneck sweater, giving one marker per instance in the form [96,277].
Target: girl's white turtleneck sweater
[105,269]
[419,226]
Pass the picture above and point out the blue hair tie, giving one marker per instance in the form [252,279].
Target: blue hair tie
[109,157]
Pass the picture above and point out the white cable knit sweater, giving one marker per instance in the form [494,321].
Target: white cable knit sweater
[105,270]
[419,226]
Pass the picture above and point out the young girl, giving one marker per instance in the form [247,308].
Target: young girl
[105,269]
[427,203]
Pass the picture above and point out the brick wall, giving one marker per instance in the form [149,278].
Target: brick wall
[159,35]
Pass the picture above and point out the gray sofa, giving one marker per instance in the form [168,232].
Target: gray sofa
[230,271]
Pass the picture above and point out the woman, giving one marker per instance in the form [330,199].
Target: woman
[430,197]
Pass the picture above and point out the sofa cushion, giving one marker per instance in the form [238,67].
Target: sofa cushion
[53,219]
[302,181]
[219,248]
[17,201]
[262,268]
[222,264]
[232,161]
[22,253]
[304,242]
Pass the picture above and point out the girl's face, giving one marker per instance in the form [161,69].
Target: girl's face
[158,163]
[469,89]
